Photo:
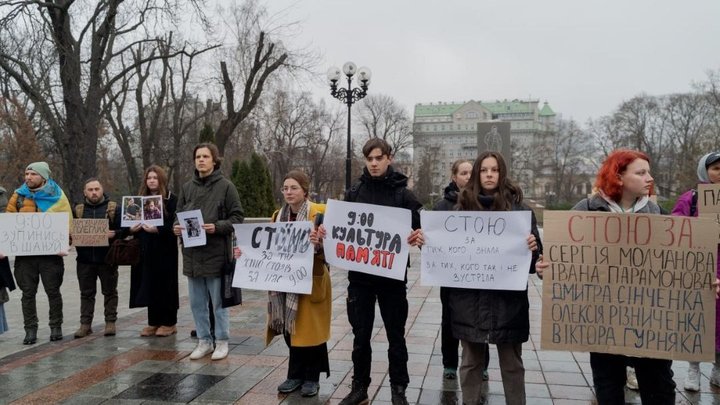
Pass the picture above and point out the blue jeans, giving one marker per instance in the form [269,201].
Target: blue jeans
[201,290]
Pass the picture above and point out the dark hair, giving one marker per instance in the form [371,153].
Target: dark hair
[214,152]
[505,195]
[608,180]
[91,179]
[456,165]
[162,181]
[373,143]
[301,178]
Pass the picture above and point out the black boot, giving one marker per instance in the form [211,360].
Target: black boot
[358,395]
[398,395]
[30,336]
[55,333]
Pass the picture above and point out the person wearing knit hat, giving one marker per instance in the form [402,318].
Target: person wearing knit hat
[41,168]
[708,172]
[40,193]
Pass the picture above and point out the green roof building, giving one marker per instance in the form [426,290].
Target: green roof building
[446,131]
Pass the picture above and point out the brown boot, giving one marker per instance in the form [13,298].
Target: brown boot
[166,331]
[109,328]
[149,331]
[84,330]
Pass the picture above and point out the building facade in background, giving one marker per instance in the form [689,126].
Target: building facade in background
[445,132]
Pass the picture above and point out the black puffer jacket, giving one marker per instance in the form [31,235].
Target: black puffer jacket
[494,316]
[449,198]
[218,200]
[390,191]
[96,254]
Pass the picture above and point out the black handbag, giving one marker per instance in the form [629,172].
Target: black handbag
[123,252]
[231,296]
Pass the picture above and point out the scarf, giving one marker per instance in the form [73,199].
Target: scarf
[639,204]
[48,198]
[282,306]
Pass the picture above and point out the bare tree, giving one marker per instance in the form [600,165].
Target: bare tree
[254,56]
[58,53]
[20,145]
[383,117]
[296,133]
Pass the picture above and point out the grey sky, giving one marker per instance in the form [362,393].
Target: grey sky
[583,57]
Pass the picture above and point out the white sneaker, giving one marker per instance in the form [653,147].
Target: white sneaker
[692,382]
[631,381]
[221,350]
[715,376]
[203,349]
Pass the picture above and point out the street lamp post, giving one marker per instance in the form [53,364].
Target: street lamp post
[349,96]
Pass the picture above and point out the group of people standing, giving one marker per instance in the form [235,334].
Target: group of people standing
[473,317]
[154,282]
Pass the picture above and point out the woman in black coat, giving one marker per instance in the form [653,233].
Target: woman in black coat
[460,174]
[500,317]
[154,281]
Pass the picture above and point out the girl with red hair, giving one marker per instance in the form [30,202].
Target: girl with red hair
[623,185]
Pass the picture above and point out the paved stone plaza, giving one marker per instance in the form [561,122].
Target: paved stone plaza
[128,369]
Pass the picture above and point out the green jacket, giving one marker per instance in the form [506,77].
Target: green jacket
[218,200]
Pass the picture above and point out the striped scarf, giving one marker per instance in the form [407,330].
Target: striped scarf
[282,306]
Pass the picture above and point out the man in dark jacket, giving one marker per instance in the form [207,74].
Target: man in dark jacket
[379,184]
[91,264]
[218,200]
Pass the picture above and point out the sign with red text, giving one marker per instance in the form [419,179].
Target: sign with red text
[367,238]
[633,284]
[34,233]
[476,249]
[276,256]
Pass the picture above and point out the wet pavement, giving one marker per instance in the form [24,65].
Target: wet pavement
[129,369]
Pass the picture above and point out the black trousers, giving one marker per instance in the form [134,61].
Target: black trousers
[393,304]
[88,274]
[306,363]
[448,342]
[655,378]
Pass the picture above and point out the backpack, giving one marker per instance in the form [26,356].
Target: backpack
[399,194]
[110,214]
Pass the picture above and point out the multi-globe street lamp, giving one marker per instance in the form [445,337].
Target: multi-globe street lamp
[349,96]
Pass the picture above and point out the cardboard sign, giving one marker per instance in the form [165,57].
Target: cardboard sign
[34,234]
[633,284]
[276,256]
[476,249]
[708,204]
[367,238]
[89,232]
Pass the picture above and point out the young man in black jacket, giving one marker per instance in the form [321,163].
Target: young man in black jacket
[380,184]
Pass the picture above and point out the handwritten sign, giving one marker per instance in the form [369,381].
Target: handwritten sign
[275,256]
[476,249]
[34,234]
[633,284]
[89,232]
[367,238]
[708,204]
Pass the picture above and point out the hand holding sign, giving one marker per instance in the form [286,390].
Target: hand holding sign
[367,238]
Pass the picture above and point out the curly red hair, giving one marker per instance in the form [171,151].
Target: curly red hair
[608,180]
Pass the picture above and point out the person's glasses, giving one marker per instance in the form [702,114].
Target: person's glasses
[288,189]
